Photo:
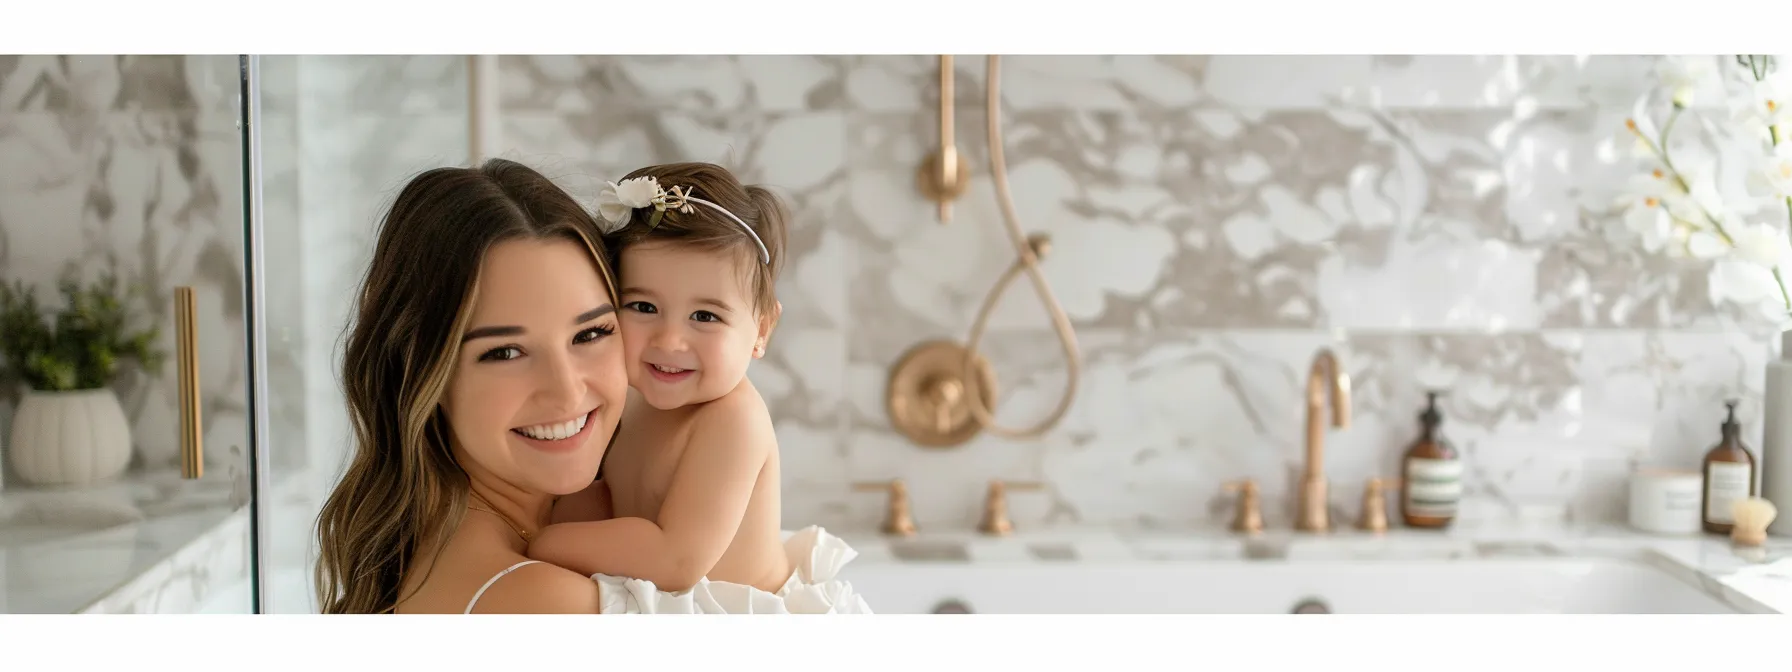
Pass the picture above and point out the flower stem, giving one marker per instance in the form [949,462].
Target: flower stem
[1667,128]
[1773,134]
[1660,152]
[1781,281]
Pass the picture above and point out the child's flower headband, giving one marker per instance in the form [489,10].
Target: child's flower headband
[618,202]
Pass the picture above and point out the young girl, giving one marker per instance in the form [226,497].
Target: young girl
[692,478]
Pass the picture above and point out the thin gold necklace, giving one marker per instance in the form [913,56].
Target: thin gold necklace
[513,526]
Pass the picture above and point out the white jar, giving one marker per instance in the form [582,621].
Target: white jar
[1665,501]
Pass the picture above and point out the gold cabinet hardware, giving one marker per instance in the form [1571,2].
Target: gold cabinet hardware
[186,339]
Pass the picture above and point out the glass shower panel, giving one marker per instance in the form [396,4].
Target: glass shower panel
[124,393]
[340,135]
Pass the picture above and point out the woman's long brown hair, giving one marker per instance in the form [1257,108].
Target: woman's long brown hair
[403,492]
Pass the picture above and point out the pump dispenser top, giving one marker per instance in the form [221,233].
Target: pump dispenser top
[1731,429]
[1430,418]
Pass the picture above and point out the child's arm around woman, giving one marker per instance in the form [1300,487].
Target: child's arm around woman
[727,446]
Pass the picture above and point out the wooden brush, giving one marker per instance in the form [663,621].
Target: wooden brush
[1752,517]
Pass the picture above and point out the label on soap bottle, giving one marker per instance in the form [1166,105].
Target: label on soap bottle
[1725,483]
[1433,487]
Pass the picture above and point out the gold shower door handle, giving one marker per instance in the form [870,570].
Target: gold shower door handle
[186,343]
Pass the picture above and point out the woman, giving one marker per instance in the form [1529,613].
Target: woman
[484,379]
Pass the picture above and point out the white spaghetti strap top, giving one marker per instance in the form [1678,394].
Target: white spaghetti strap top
[494,579]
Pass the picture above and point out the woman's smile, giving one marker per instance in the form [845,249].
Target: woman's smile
[557,437]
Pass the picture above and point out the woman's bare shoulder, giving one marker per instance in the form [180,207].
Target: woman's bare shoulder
[479,557]
[540,588]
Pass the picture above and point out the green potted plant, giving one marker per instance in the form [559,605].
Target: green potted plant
[69,428]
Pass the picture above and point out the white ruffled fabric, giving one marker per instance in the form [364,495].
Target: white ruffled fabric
[814,588]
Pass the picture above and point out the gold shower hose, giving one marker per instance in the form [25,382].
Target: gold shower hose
[1029,249]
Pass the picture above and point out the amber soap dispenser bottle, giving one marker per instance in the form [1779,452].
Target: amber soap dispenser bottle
[1729,476]
[1431,474]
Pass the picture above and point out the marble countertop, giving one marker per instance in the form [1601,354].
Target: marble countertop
[1754,580]
[62,550]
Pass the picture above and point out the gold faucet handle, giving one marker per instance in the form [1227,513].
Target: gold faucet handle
[1375,503]
[995,505]
[1249,515]
[898,520]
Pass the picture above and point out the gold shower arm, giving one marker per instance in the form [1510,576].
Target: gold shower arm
[943,175]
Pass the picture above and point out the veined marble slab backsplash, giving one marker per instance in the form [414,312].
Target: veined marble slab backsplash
[1215,220]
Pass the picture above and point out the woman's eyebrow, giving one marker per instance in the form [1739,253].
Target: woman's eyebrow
[511,330]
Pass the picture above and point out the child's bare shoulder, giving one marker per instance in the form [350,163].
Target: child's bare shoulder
[741,404]
[739,415]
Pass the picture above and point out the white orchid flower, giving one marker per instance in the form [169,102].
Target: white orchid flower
[1773,178]
[1687,76]
[1763,244]
[1702,244]
[1699,196]
[1768,103]
[1735,280]
[1646,213]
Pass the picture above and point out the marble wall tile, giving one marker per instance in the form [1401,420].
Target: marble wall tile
[380,85]
[77,84]
[1030,82]
[709,84]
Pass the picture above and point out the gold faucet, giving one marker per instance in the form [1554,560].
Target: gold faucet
[1311,514]
[898,521]
[995,506]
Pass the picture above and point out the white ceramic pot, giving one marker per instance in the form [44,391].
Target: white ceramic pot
[69,438]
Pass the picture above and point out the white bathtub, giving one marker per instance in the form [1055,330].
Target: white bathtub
[1586,586]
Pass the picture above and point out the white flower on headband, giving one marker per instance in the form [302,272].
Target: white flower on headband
[617,202]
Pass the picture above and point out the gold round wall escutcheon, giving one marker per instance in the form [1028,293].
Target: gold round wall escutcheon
[926,397]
